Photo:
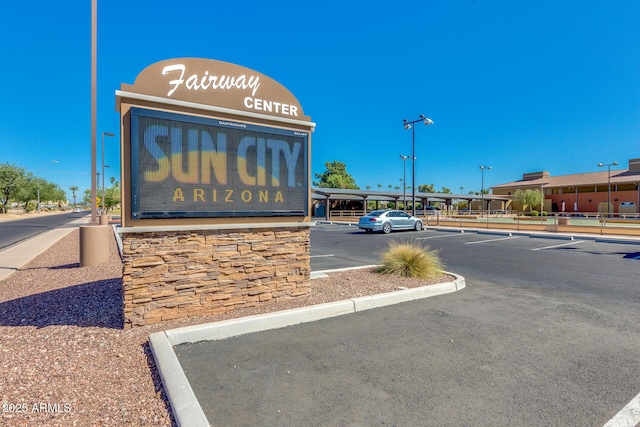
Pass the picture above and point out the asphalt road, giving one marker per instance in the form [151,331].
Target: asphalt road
[12,232]
[547,332]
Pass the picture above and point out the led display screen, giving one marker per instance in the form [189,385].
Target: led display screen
[191,167]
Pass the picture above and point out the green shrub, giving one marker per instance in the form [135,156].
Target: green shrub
[410,259]
[534,213]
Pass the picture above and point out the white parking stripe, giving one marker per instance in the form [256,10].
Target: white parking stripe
[439,237]
[574,242]
[320,256]
[340,228]
[492,240]
[629,416]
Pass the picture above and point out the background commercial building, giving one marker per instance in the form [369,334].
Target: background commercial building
[583,192]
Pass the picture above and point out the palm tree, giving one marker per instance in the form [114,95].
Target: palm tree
[73,188]
[390,186]
[379,187]
[368,187]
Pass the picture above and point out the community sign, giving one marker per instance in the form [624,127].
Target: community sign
[209,139]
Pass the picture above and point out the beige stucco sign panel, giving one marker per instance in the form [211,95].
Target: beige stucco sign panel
[216,83]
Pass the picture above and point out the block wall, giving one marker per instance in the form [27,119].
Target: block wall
[177,274]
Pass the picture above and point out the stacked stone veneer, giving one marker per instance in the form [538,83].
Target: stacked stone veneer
[175,274]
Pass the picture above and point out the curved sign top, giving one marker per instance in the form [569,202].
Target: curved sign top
[217,83]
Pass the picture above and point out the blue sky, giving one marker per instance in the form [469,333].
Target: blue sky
[521,86]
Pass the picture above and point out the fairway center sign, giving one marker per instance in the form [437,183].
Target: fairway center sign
[209,139]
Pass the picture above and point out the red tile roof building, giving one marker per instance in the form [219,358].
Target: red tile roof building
[583,192]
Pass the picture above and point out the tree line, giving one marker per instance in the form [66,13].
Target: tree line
[20,186]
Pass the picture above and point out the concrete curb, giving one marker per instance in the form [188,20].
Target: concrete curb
[258,323]
[186,409]
[185,406]
[397,297]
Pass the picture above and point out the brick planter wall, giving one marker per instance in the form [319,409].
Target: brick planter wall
[175,274]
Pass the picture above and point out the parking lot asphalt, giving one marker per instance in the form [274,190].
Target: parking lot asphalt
[341,241]
[186,405]
[533,348]
[459,359]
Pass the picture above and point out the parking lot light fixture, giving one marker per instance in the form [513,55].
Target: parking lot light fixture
[404,180]
[103,135]
[409,125]
[482,168]
[608,165]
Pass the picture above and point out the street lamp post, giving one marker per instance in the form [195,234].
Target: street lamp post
[482,168]
[103,135]
[408,125]
[608,165]
[103,166]
[404,180]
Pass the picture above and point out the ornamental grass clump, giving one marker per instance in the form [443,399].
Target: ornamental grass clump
[410,259]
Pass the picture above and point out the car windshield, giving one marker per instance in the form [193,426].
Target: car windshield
[376,213]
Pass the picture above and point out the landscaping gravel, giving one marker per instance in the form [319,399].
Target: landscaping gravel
[65,359]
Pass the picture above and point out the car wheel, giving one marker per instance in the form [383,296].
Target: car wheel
[418,226]
[386,228]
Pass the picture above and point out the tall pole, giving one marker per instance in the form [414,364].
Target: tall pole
[404,185]
[404,181]
[482,191]
[94,106]
[608,189]
[482,168]
[102,210]
[413,171]
[103,135]
[408,125]
[608,165]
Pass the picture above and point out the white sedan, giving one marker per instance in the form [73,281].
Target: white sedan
[388,221]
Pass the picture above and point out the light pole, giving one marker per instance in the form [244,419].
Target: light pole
[608,165]
[408,125]
[95,201]
[103,135]
[482,168]
[404,181]
[103,166]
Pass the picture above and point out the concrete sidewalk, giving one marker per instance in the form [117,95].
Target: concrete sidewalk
[14,257]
